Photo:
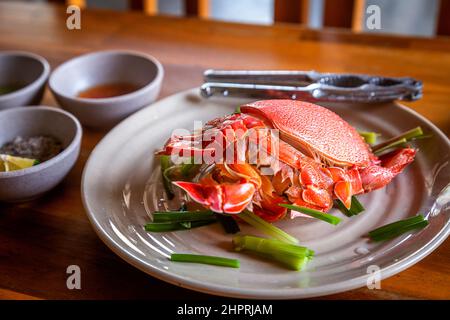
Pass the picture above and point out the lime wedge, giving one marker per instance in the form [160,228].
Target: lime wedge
[11,163]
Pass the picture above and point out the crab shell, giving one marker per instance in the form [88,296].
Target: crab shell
[315,130]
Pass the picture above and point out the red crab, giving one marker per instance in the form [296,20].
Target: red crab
[321,158]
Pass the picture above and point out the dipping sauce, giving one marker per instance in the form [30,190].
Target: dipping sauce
[108,90]
[5,89]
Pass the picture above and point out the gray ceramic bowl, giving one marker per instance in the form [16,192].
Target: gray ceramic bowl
[32,182]
[106,67]
[29,72]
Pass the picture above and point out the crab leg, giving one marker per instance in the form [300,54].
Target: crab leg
[376,176]
[218,135]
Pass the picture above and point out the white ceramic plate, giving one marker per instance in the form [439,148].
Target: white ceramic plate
[121,184]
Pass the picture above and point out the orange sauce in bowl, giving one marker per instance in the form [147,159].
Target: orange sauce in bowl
[108,90]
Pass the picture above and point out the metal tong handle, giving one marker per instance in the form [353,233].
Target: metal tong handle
[311,86]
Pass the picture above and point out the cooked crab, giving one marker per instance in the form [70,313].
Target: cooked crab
[314,158]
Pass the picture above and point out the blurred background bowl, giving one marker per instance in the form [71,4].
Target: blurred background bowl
[29,183]
[25,75]
[106,67]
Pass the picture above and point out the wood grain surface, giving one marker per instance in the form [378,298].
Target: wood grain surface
[39,239]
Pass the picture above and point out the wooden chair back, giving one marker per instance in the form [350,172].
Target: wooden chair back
[337,13]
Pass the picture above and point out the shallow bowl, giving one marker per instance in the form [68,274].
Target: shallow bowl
[29,183]
[26,70]
[106,67]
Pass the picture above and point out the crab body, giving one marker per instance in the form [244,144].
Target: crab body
[315,158]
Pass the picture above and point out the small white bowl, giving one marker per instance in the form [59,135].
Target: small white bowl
[105,67]
[26,69]
[30,183]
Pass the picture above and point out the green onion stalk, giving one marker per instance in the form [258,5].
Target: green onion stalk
[180,225]
[292,256]
[398,140]
[398,228]
[165,165]
[213,260]
[355,208]
[369,137]
[313,213]
[266,227]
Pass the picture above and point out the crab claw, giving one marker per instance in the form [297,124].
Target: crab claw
[222,198]
[397,160]
[392,163]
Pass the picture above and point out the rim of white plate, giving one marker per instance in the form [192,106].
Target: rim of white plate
[236,292]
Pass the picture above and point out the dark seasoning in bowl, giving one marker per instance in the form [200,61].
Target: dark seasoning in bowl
[41,148]
[5,89]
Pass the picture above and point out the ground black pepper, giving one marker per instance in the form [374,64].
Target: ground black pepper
[41,148]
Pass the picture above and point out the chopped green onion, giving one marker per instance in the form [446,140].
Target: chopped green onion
[369,137]
[186,224]
[163,227]
[238,110]
[355,208]
[389,226]
[265,227]
[294,263]
[228,223]
[396,144]
[313,213]
[181,216]
[424,136]
[165,165]
[196,258]
[292,256]
[395,229]
[173,226]
[408,135]
[188,169]
[269,246]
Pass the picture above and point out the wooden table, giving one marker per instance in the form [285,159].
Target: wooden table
[39,239]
